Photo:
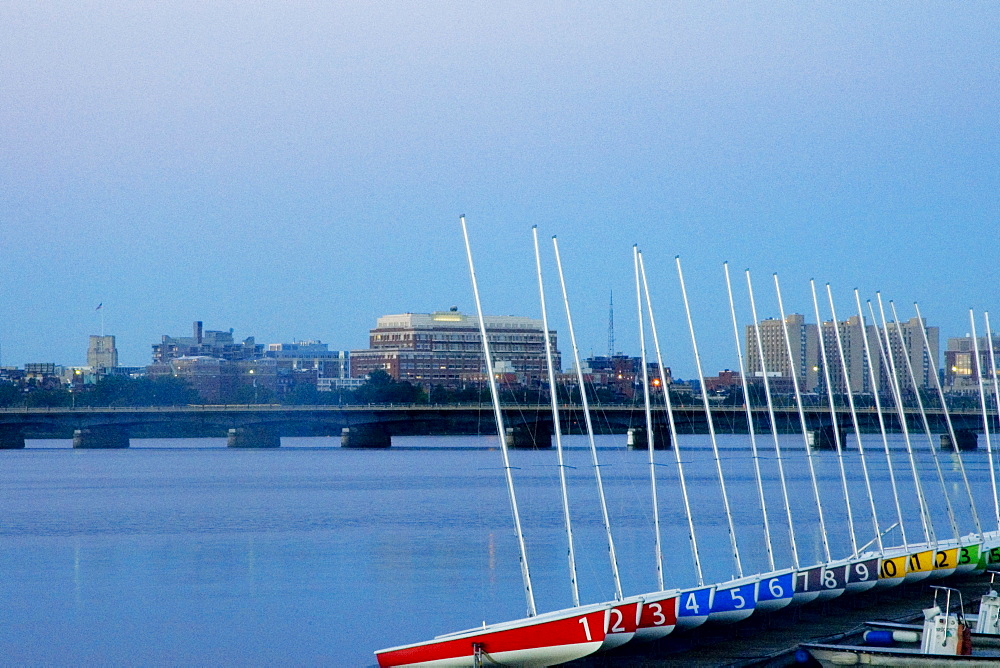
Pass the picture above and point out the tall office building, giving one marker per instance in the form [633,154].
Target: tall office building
[101,353]
[444,348]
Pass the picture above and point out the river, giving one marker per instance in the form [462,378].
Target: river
[184,552]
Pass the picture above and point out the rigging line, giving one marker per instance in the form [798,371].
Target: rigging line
[925,422]
[951,428]
[590,427]
[501,432]
[556,425]
[996,403]
[668,403]
[773,422]
[650,446]
[889,363]
[833,417]
[854,418]
[711,426]
[873,382]
[750,426]
[802,419]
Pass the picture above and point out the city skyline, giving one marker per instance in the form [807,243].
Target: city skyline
[294,171]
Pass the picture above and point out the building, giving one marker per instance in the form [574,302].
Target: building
[907,352]
[101,353]
[910,353]
[804,339]
[620,374]
[315,356]
[206,343]
[962,369]
[726,381]
[852,333]
[444,348]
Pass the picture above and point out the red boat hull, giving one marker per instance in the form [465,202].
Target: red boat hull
[536,641]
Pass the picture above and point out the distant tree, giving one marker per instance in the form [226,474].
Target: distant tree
[10,395]
[381,388]
[48,398]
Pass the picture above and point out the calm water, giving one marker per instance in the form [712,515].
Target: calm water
[185,552]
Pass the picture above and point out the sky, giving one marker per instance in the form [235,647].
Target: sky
[293,170]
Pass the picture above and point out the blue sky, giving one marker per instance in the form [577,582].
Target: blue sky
[293,170]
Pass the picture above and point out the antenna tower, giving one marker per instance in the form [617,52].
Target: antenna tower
[611,326]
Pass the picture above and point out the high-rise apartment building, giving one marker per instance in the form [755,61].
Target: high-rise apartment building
[907,353]
[444,348]
[101,353]
[910,353]
[852,335]
[804,342]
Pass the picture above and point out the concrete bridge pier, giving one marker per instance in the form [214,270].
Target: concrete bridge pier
[253,437]
[530,436]
[967,439]
[638,438]
[365,436]
[104,437]
[824,438]
[11,438]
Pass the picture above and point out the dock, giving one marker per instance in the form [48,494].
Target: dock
[770,641]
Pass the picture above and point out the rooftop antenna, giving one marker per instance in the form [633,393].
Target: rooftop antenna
[611,326]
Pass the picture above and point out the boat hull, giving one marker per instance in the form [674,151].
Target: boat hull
[862,575]
[775,591]
[623,618]
[693,606]
[534,642]
[807,585]
[733,601]
[833,581]
[849,655]
[658,616]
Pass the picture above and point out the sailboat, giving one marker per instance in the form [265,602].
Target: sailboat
[535,641]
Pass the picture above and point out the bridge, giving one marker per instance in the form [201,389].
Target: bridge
[372,426]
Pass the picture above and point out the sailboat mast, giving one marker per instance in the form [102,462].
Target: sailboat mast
[673,426]
[854,415]
[833,417]
[947,420]
[927,427]
[556,425]
[708,419]
[982,403]
[996,403]
[885,347]
[590,428]
[750,427]
[501,430]
[649,422]
[802,419]
[874,383]
[773,422]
